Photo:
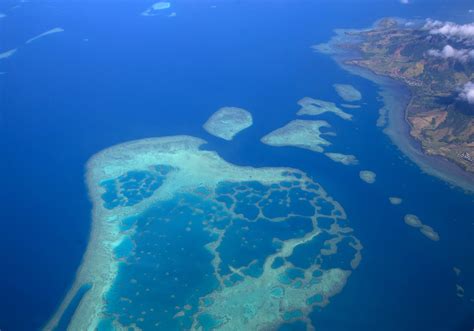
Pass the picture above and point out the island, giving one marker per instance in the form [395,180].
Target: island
[183,240]
[436,68]
[300,133]
[310,106]
[227,122]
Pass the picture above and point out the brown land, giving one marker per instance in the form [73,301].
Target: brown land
[438,118]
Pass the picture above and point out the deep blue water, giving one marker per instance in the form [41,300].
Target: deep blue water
[64,99]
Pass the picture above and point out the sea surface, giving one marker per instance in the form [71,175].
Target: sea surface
[114,76]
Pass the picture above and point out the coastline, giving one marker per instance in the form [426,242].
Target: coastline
[396,96]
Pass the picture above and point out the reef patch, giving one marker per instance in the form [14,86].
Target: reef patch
[313,107]
[368,176]
[348,92]
[182,239]
[300,133]
[227,122]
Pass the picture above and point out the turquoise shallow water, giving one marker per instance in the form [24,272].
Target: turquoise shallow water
[67,316]
[65,99]
[168,251]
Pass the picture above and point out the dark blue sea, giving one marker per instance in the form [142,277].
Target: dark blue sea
[114,75]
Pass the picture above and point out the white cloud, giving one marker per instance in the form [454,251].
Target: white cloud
[449,52]
[467,93]
[462,32]
[431,24]
[405,2]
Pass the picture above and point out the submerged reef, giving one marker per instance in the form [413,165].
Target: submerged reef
[427,231]
[7,54]
[460,292]
[349,106]
[299,133]
[310,106]
[395,200]
[348,92]
[343,158]
[368,176]
[228,121]
[183,240]
[44,34]
[152,11]
[413,220]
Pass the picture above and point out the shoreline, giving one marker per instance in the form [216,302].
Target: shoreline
[396,97]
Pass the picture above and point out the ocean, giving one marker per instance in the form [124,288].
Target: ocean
[114,76]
